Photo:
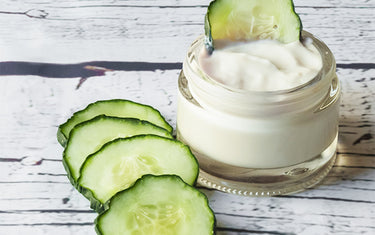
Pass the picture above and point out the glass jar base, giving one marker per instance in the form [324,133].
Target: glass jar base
[265,182]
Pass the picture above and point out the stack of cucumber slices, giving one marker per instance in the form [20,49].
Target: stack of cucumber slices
[121,155]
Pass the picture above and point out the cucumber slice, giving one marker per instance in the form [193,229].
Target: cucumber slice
[115,108]
[243,20]
[88,137]
[157,205]
[118,164]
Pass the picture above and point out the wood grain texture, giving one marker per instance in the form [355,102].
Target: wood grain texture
[35,194]
[75,31]
[48,200]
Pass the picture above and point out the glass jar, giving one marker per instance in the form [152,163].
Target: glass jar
[259,143]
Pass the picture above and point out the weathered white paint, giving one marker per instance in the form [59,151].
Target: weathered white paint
[35,194]
[143,31]
[36,169]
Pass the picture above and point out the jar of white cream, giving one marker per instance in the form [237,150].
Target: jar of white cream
[259,140]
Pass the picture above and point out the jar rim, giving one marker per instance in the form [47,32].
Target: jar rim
[208,92]
[328,66]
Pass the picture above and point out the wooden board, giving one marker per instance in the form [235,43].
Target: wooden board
[144,43]
[76,31]
[34,186]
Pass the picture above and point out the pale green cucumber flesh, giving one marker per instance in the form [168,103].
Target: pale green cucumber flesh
[115,108]
[157,205]
[118,164]
[246,20]
[89,136]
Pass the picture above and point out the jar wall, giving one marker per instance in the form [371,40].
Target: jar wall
[256,142]
[259,143]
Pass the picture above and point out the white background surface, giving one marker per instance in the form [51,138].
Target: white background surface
[35,194]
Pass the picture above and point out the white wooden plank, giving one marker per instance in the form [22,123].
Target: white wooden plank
[357,110]
[61,217]
[347,176]
[312,224]
[260,214]
[129,33]
[304,215]
[353,185]
[64,198]
[45,171]
[346,160]
[57,99]
[21,4]
[35,195]
[53,172]
[70,229]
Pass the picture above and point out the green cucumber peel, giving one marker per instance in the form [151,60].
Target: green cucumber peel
[120,162]
[151,191]
[115,108]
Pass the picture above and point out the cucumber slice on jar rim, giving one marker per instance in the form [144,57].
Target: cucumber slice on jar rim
[115,108]
[119,163]
[157,205]
[246,20]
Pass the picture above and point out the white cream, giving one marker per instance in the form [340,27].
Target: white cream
[264,65]
[263,142]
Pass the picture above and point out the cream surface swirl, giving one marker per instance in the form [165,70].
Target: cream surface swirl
[264,65]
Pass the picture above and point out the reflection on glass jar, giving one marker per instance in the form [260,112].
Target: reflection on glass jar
[259,143]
